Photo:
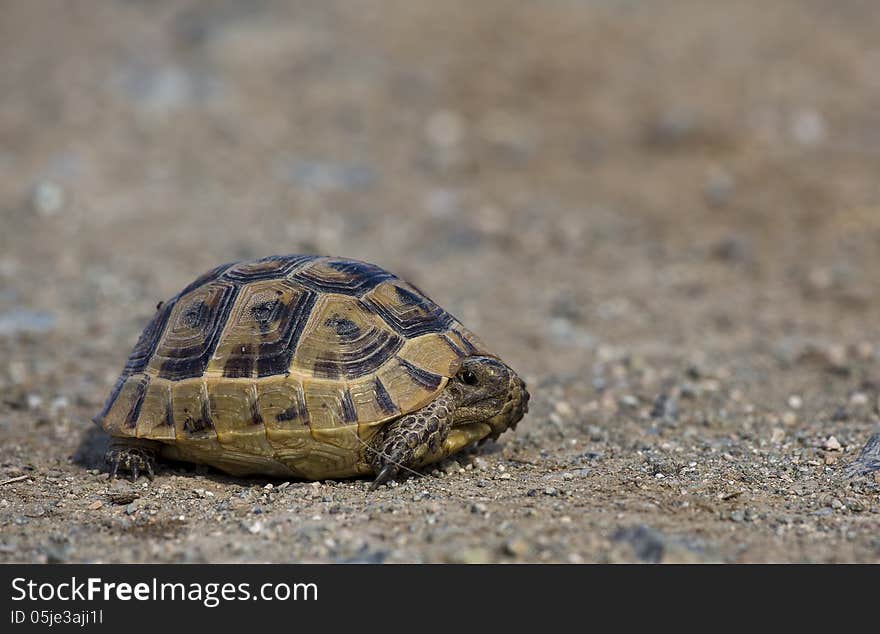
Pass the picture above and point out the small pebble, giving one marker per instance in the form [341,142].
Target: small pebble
[480,463]
[718,188]
[628,400]
[47,198]
[444,128]
[451,466]
[517,547]
[473,556]
[807,127]
[59,403]
[832,444]
[858,399]
[122,498]
[564,409]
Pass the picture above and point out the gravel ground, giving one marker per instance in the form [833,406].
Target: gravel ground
[665,216]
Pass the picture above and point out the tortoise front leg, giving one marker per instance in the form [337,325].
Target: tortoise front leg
[407,441]
[134,455]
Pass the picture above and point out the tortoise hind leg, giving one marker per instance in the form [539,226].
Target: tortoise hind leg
[407,441]
[134,455]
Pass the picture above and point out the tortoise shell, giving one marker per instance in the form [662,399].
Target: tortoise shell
[285,365]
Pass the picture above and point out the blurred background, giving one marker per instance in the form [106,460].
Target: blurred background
[580,182]
[557,173]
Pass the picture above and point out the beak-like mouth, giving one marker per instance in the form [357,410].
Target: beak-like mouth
[514,408]
[510,412]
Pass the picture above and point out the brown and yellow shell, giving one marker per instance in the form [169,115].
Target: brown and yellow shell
[285,365]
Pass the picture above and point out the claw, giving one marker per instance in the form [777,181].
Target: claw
[385,474]
[136,460]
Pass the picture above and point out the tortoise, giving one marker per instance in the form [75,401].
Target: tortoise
[307,367]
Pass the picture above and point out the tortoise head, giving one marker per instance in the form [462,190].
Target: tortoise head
[488,391]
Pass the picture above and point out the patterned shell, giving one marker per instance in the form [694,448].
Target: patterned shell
[264,357]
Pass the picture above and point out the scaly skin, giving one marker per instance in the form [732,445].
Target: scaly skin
[484,391]
[406,441]
[133,455]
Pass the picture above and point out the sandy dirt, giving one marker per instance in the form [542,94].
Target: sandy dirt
[665,216]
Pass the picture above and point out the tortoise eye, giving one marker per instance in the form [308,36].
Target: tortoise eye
[468,378]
